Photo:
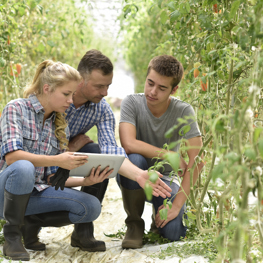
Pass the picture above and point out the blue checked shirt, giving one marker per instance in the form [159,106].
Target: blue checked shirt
[22,129]
[100,114]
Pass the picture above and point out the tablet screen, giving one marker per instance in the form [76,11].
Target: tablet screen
[94,160]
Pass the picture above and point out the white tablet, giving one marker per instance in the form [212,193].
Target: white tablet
[94,160]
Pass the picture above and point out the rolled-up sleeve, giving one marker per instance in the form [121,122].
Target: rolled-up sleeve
[106,134]
[11,127]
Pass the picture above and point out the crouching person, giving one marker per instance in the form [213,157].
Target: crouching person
[145,118]
[33,144]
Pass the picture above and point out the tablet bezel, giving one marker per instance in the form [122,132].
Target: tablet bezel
[96,159]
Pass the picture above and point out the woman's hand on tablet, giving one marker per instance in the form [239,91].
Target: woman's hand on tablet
[69,161]
[96,176]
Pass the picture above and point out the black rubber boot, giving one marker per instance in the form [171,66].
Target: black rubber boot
[34,222]
[133,202]
[14,212]
[82,235]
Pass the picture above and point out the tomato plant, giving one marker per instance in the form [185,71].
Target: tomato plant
[225,38]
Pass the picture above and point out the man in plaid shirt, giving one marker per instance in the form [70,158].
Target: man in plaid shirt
[89,108]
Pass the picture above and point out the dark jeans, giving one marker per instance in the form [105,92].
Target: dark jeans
[97,190]
[175,228]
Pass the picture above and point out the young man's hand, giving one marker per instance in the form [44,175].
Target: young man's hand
[171,214]
[159,187]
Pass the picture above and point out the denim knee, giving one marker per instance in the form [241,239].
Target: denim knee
[21,178]
[138,160]
[90,148]
[92,208]
[174,230]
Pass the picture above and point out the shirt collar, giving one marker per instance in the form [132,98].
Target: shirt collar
[86,104]
[37,106]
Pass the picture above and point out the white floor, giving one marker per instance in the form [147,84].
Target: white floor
[110,221]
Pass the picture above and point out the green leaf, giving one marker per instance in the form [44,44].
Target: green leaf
[128,8]
[218,170]
[153,176]
[169,133]
[191,215]
[223,148]
[127,11]
[184,8]
[185,129]
[2,62]
[232,157]
[203,79]
[148,191]
[234,8]
[170,204]
[163,213]
[174,15]
[51,43]
[251,154]
[202,34]
[171,6]
[21,11]
[150,9]
[260,147]
[211,73]
[257,132]
[164,17]
[42,33]
[172,145]
[187,7]
[173,159]
[212,52]
[165,201]
[41,47]
[220,126]
[160,3]
[236,120]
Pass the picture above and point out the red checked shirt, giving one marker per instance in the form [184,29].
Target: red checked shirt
[22,128]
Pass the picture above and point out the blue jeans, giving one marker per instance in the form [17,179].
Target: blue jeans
[174,229]
[90,148]
[19,179]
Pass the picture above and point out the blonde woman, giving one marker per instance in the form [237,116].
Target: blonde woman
[33,140]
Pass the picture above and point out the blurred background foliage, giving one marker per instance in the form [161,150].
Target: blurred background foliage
[35,30]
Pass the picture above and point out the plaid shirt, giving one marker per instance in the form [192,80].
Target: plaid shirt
[22,129]
[100,114]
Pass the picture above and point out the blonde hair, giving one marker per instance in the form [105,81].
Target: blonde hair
[55,74]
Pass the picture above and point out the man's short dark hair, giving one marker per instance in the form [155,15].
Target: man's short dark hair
[167,66]
[93,60]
